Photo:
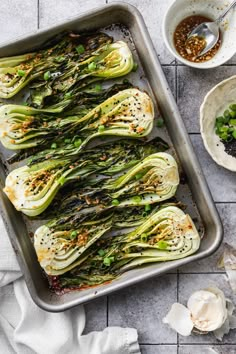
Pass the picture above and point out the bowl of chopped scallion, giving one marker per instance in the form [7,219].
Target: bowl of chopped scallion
[218,123]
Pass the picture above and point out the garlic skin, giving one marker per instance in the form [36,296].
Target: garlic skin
[179,319]
[208,309]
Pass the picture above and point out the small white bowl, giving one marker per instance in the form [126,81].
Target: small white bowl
[180,9]
[215,103]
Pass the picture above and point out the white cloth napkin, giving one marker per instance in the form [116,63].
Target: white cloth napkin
[26,329]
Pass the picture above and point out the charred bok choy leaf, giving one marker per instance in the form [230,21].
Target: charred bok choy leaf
[153,180]
[128,113]
[168,234]
[32,188]
[65,242]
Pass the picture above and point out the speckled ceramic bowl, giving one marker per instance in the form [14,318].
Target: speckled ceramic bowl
[181,9]
[215,102]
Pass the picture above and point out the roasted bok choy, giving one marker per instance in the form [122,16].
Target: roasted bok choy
[56,70]
[87,258]
[128,113]
[32,188]
[153,180]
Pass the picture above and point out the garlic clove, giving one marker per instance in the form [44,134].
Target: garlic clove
[179,319]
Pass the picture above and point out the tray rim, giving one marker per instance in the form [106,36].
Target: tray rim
[115,6]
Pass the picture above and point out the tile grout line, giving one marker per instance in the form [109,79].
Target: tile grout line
[188,344]
[107,305]
[177,277]
[38,14]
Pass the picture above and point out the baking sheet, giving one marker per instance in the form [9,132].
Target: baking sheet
[122,21]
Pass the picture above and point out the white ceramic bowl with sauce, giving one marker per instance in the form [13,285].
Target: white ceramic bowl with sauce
[215,103]
[180,9]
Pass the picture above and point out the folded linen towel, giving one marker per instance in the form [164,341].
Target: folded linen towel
[27,329]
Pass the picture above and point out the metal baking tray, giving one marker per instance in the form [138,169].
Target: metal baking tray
[122,21]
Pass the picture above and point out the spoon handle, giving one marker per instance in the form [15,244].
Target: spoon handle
[222,16]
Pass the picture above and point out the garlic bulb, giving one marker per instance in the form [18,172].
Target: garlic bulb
[208,309]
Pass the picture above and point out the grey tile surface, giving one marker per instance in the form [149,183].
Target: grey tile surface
[17,18]
[152,12]
[55,11]
[170,76]
[206,349]
[159,349]
[228,215]
[222,182]
[192,86]
[188,283]
[143,306]
[96,315]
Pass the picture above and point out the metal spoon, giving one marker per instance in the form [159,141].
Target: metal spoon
[210,31]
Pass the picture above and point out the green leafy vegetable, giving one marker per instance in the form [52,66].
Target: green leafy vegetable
[128,113]
[59,57]
[158,183]
[32,188]
[169,234]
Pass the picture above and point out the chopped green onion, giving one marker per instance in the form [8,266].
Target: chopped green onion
[67,141]
[136,199]
[160,123]
[53,146]
[80,49]
[233,107]
[162,245]
[138,175]
[115,202]
[92,66]
[68,95]
[224,136]
[73,235]
[220,120]
[223,129]
[21,72]
[232,114]
[62,180]
[147,207]
[77,142]
[227,114]
[101,253]
[101,128]
[108,260]
[98,87]
[135,67]
[47,75]
[59,59]
[218,124]
[234,134]
[232,121]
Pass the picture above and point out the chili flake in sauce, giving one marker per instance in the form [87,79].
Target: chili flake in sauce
[189,49]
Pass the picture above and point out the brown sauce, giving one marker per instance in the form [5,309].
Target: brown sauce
[193,47]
